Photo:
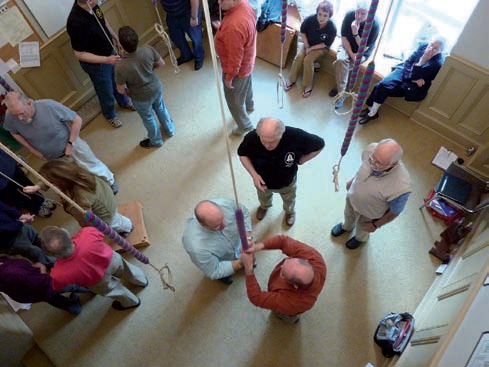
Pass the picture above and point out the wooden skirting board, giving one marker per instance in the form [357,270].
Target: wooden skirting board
[138,237]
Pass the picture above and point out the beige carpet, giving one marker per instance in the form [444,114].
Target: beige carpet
[205,323]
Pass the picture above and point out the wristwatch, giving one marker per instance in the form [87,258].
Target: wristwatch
[71,143]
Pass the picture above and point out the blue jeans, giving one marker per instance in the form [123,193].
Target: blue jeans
[178,26]
[145,110]
[103,80]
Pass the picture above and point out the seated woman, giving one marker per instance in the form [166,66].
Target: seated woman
[318,32]
[87,190]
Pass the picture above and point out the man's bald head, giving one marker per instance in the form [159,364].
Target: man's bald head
[388,151]
[298,271]
[210,215]
[270,131]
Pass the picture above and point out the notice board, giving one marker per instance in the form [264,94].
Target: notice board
[14,28]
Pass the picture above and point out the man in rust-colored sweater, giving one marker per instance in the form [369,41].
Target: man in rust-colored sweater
[236,46]
[294,284]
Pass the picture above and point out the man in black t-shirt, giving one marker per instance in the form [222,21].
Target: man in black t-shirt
[89,34]
[271,155]
[351,34]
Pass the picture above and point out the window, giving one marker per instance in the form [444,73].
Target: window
[410,22]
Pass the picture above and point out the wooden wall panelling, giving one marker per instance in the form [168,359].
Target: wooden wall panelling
[480,161]
[458,104]
[60,76]
[439,314]
[140,16]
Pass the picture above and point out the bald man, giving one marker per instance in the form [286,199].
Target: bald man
[294,284]
[211,238]
[377,194]
[271,155]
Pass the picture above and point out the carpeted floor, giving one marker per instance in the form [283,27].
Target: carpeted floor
[206,323]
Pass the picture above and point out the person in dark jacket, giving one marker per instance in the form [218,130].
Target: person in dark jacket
[18,237]
[11,176]
[410,79]
[25,282]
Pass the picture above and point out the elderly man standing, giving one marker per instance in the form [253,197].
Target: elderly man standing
[236,46]
[294,284]
[377,194]
[86,260]
[50,130]
[271,155]
[211,238]
[410,80]
[93,42]
[351,35]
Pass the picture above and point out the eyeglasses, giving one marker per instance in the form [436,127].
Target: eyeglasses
[377,165]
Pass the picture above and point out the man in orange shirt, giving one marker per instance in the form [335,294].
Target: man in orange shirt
[236,46]
[294,284]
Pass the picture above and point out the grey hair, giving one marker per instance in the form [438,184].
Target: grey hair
[280,129]
[362,4]
[64,246]
[441,40]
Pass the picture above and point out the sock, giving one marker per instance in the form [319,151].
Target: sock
[374,109]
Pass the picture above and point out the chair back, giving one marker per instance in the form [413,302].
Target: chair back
[478,186]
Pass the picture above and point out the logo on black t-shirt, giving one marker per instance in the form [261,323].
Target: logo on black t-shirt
[99,13]
[289,159]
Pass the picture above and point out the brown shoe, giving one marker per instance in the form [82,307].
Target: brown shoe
[260,213]
[290,219]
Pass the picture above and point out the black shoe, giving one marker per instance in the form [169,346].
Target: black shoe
[198,64]
[337,230]
[181,61]
[116,305]
[353,243]
[333,92]
[75,307]
[364,112]
[365,119]
[227,280]
[147,144]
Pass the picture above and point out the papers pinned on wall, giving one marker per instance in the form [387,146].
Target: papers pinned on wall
[444,158]
[29,54]
[13,27]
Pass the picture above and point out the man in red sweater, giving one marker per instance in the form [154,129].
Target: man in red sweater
[236,46]
[294,284]
[86,260]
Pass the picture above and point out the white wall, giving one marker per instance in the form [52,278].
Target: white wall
[473,43]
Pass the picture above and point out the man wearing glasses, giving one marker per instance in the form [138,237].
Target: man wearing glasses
[294,284]
[377,194]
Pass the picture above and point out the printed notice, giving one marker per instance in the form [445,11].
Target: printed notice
[29,54]
[444,158]
[13,27]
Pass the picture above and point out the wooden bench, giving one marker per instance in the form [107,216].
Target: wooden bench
[138,237]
